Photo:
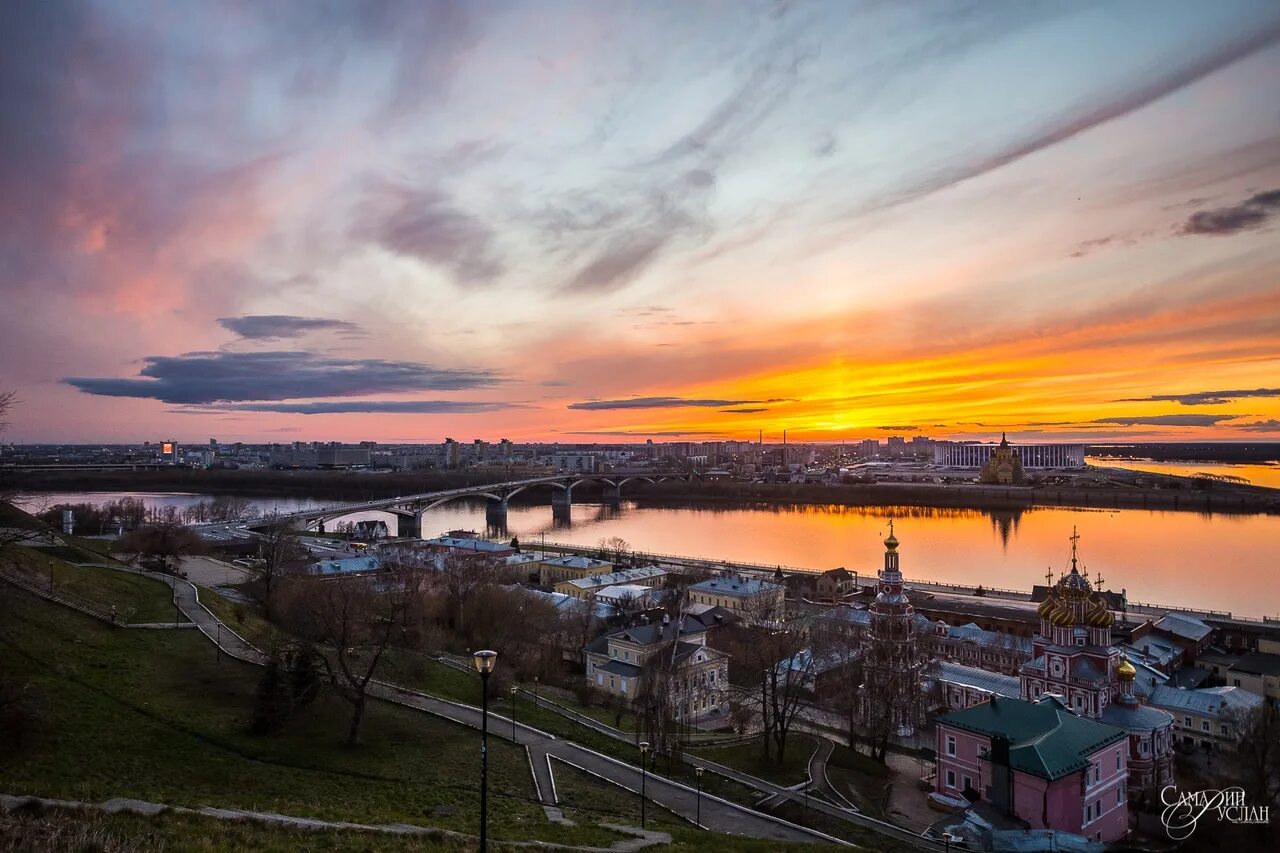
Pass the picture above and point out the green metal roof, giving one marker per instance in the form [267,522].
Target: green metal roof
[1045,738]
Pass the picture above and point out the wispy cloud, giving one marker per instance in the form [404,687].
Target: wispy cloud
[212,377]
[747,410]
[640,434]
[1205,398]
[662,403]
[898,428]
[392,407]
[1166,420]
[426,224]
[1073,124]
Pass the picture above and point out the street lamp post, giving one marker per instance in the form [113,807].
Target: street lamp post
[535,691]
[484,661]
[644,756]
[697,771]
[513,713]
[51,575]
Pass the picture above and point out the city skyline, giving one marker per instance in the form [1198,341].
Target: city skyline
[628,222]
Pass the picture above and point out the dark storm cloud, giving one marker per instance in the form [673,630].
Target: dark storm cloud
[1252,213]
[1271,425]
[213,377]
[426,224]
[1205,398]
[393,407]
[275,326]
[1165,420]
[748,410]
[661,403]
[1070,125]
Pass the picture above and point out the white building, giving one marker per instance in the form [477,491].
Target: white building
[957,455]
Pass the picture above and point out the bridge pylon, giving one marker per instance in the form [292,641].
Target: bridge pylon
[495,514]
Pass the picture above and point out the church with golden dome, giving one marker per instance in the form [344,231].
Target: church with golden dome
[1073,658]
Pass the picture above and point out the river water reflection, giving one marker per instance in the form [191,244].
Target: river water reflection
[1222,562]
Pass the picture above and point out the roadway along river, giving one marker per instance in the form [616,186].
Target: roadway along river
[1223,562]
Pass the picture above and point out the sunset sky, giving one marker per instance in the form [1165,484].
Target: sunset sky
[614,221]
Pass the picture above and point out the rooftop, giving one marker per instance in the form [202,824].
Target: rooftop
[980,679]
[1045,738]
[1258,663]
[1209,701]
[575,561]
[1183,626]
[621,576]
[469,543]
[345,565]
[735,586]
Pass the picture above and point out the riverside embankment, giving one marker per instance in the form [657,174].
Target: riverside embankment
[347,486]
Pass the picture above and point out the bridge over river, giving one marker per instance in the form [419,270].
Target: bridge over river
[409,509]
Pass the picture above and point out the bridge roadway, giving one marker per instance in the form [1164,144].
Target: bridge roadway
[411,507]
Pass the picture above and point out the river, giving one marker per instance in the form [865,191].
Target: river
[1257,473]
[1221,562]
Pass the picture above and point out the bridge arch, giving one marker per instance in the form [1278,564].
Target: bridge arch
[623,482]
[552,483]
[445,500]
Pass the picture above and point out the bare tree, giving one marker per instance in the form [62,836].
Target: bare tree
[165,543]
[770,668]
[578,626]
[656,698]
[614,548]
[16,527]
[280,554]
[627,606]
[1257,752]
[351,621]
[458,579]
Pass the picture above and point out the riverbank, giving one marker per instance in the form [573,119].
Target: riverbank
[991,498]
[349,486]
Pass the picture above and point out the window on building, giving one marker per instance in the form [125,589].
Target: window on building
[1225,731]
[1186,721]
[1088,813]
[951,745]
[1204,725]
[1118,759]
[1236,682]
[951,778]
[968,783]
[1120,795]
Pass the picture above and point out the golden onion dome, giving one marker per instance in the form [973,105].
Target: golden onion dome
[1099,615]
[1062,616]
[1126,670]
[1046,607]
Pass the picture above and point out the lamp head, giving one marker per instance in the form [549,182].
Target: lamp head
[484,661]
[644,747]
[698,772]
[513,690]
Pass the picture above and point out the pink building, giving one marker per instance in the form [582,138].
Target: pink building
[1038,762]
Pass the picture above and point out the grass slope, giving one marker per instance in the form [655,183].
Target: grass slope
[154,715]
[136,598]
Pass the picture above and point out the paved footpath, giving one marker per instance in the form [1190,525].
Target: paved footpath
[717,815]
